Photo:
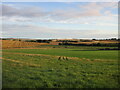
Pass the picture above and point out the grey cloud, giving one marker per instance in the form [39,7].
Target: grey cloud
[38,12]
[22,12]
[9,11]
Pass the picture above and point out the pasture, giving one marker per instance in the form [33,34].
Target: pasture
[85,67]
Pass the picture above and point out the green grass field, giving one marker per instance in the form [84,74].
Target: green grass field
[40,68]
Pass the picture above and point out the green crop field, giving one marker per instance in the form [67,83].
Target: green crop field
[79,67]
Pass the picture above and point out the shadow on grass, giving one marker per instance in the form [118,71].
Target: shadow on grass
[84,50]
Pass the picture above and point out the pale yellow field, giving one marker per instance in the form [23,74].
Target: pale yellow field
[19,44]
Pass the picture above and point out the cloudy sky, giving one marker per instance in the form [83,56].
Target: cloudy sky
[59,20]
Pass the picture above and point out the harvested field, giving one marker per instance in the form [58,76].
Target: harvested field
[19,44]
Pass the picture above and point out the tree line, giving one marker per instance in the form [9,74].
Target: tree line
[93,44]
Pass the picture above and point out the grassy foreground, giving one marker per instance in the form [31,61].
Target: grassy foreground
[40,68]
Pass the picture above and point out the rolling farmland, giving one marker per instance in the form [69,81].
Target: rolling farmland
[49,66]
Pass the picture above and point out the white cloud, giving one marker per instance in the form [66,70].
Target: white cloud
[29,31]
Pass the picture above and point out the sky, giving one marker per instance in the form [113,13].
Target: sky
[55,20]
